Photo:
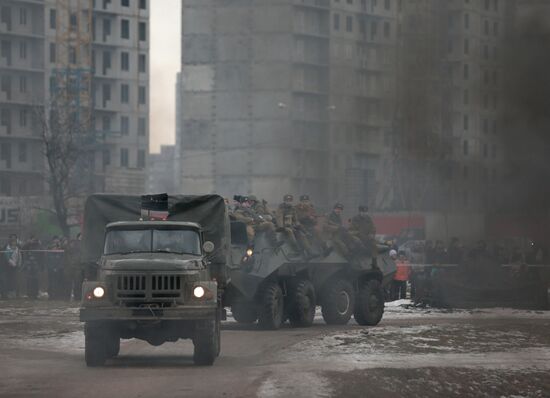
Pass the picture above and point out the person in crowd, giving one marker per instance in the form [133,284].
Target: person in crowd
[402,275]
[455,251]
[32,262]
[440,253]
[55,265]
[429,252]
[12,267]
[73,272]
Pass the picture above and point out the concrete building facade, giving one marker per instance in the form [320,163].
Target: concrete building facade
[29,34]
[22,85]
[161,171]
[274,97]
[447,153]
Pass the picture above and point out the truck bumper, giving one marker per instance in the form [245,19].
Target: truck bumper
[187,313]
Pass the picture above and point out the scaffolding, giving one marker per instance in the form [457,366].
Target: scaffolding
[71,86]
[72,75]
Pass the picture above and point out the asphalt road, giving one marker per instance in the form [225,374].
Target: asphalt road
[413,352]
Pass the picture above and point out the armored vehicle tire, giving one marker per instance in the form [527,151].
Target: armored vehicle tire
[244,311]
[369,307]
[338,302]
[302,303]
[206,342]
[271,313]
[97,344]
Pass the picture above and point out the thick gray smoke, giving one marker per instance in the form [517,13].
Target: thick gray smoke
[526,118]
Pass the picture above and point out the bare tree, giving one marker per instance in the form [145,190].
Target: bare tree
[65,130]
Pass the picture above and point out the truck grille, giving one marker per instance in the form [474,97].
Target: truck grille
[148,286]
[131,286]
[164,286]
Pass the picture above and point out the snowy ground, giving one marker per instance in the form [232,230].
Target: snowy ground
[422,352]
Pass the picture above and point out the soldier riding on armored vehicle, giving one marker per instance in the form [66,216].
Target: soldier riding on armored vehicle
[157,280]
[273,283]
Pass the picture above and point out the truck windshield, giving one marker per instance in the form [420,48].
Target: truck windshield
[152,241]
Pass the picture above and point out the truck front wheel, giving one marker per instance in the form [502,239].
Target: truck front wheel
[97,344]
[206,342]
[338,303]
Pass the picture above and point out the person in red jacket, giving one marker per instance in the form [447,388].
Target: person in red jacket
[402,275]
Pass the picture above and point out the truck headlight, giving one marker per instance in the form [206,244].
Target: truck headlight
[198,292]
[99,292]
[249,252]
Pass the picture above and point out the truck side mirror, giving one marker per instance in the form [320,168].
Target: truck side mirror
[208,247]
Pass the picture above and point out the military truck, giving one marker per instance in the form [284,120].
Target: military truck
[269,286]
[161,271]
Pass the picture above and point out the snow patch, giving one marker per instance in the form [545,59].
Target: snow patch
[297,384]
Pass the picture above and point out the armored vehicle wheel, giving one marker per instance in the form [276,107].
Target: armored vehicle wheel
[370,304]
[338,303]
[302,304]
[96,350]
[271,312]
[244,311]
[206,342]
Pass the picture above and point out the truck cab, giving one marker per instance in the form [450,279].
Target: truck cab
[153,283]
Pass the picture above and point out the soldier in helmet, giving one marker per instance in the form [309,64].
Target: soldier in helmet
[243,213]
[307,217]
[341,239]
[287,222]
[362,227]
[255,223]
[263,220]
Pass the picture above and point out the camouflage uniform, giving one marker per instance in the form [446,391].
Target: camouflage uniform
[341,239]
[263,219]
[287,222]
[307,217]
[362,227]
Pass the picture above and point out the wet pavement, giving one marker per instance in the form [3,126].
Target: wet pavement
[414,352]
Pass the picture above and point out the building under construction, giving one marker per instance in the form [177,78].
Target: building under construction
[285,97]
[94,54]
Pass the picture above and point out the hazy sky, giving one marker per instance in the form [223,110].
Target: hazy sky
[165,63]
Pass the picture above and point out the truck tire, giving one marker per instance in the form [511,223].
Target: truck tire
[113,346]
[95,345]
[206,342]
[338,303]
[271,312]
[244,311]
[369,307]
[302,304]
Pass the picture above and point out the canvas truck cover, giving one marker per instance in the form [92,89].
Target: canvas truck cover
[208,210]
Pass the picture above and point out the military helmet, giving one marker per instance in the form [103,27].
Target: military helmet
[288,198]
[339,206]
[252,198]
[304,197]
[363,209]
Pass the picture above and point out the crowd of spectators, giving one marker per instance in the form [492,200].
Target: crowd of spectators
[32,268]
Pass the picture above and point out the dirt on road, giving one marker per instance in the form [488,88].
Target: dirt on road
[414,352]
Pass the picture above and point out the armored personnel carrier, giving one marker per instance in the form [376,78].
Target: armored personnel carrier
[269,286]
